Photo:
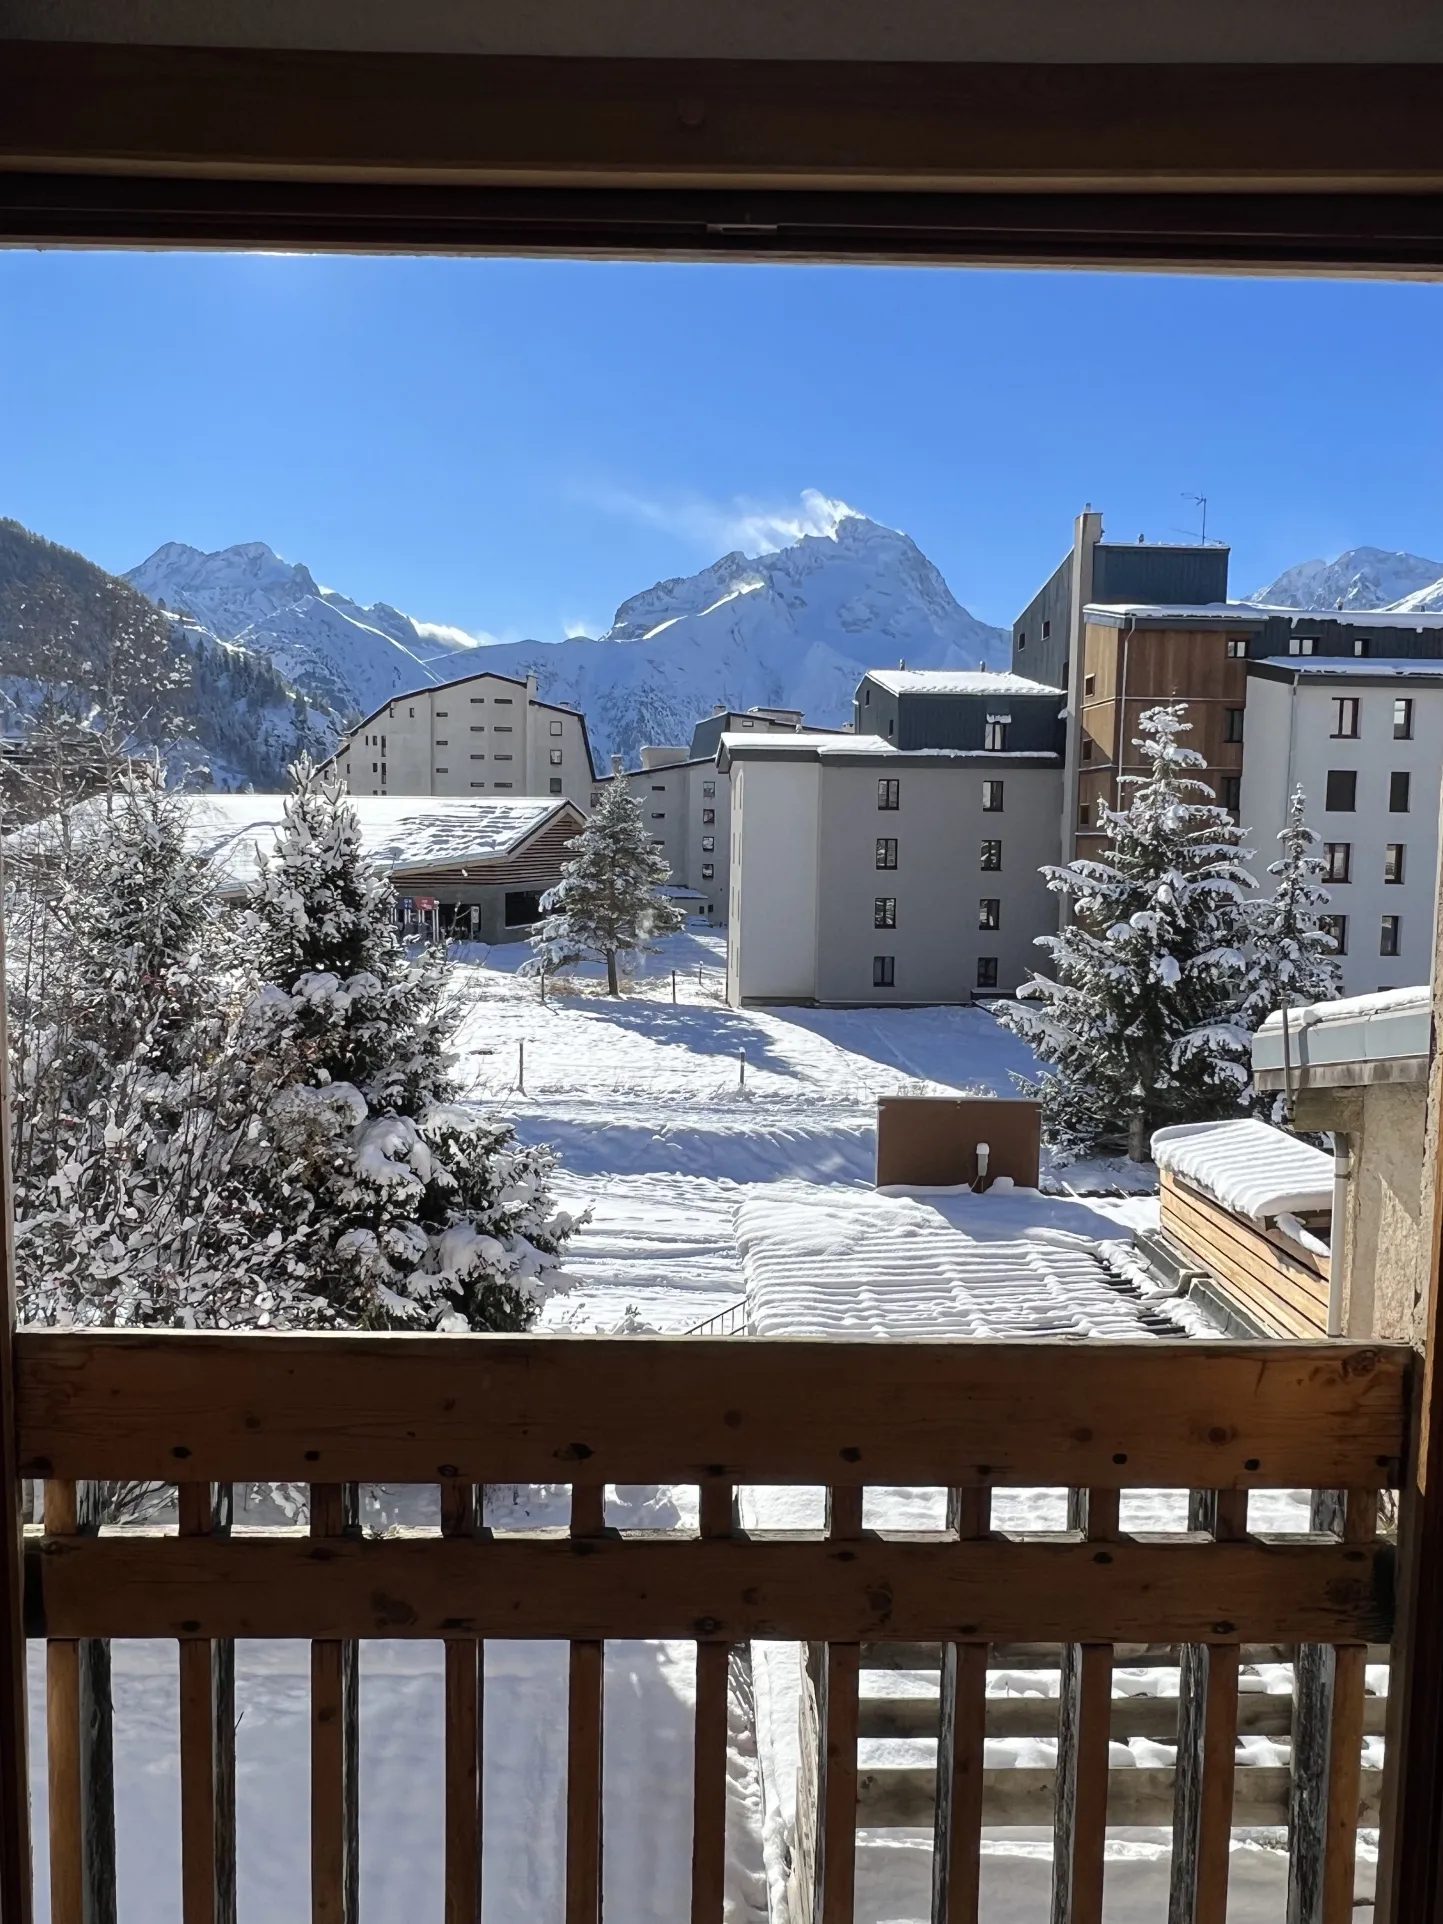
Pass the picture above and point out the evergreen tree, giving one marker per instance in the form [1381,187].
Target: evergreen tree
[1140,1024]
[606,904]
[1293,959]
[390,1205]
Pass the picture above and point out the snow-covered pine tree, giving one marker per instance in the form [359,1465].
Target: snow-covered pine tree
[1139,1026]
[395,1206]
[606,904]
[1292,959]
[122,995]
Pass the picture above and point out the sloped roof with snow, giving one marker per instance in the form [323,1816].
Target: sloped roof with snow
[950,681]
[397,831]
[1249,1167]
[1354,667]
[861,1264]
[1255,612]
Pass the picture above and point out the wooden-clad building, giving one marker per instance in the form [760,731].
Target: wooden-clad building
[1247,1213]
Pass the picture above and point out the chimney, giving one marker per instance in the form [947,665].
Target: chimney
[531,688]
[618,766]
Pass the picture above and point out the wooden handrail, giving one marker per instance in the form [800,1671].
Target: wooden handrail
[203,1412]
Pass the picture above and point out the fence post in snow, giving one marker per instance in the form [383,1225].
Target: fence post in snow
[673,988]
[521,1067]
[742,1068]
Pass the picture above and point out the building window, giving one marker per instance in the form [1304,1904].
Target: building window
[1337,927]
[555,784]
[991,855]
[504,784]
[1388,937]
[1087,748]
[1345,718]
[889,793]
[383,771]
[1046,630]
[987,971]
[478,728]
[503,701]
[708,871]
[658,788]
[1403,719]
[708,844]
[884,971]
[478,784]
[441,713]
[991,798]
[884,912]
[1232,724]
[556,728]
[596,794]
[1089,684]
[443,771]
[503,755]
[708,791]
[476,700]
[658,814]
[1237,647]
[1398,792]
[1022,639]
[886,851]
[504,728]
[556,758]
[441,742]
[989,913]
[1084,814]
[1303,645]
[1393,862]
[478,758]
[1337,861]
[1341,797]
[375,767]
[1230,792]
[994,739]
[708,816]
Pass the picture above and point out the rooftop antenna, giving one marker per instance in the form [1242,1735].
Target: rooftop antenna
[1200,502]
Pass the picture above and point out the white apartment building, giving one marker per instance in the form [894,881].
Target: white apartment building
[686,801]
[1364,741]
[482,734]
[862,873]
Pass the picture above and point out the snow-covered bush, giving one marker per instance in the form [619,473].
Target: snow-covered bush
[1141,1024]
[606,905]
[391,1205]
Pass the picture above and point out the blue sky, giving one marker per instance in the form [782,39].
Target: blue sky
[516,446]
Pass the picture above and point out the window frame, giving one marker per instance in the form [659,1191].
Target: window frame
[889,794]
[1233,722]
[992,797]
[1346,709]
[989,912]
[884,971]
[887,852]
[987,972]
[984,865]
[1340,775]
[1402,722]
[1337,927]
[1393,869]
[1390,936]
[884,912]
[1337,862]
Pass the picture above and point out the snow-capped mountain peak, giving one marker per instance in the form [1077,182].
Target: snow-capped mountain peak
[349,657]
[1360,578]
[793,628]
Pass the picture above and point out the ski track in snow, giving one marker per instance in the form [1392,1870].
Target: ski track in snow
[662,1144]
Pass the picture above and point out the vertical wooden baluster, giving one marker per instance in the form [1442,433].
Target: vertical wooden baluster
[709,1782]
[335,1740]
[583,1754]
[1083,1731]
[961,1730]
[1345,1740]
[837,1745]
[1206,1745]
[1313,1681]
[78,1731]
[207,1740]
[465,1726]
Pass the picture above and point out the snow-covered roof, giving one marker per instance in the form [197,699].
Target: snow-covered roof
[951,681]
[1255,611]
[1390,1026]
[397,831]
[1360,667]
[1249,1167]
[806,741]
[867,748]
[856,1263]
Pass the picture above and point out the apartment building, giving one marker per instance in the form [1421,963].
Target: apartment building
[867,874]
[481,734]
[1364,740]
[686,801]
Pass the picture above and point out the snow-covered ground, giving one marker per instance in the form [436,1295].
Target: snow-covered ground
[672,1119]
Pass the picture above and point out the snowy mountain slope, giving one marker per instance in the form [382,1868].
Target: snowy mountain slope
[792,629]
[350,657]
[1361,578]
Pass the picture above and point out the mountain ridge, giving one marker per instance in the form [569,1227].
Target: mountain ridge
[1377,580]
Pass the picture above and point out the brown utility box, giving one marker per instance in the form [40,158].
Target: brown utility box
[931,1141]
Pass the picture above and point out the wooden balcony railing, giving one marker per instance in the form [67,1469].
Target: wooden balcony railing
[206,1412]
